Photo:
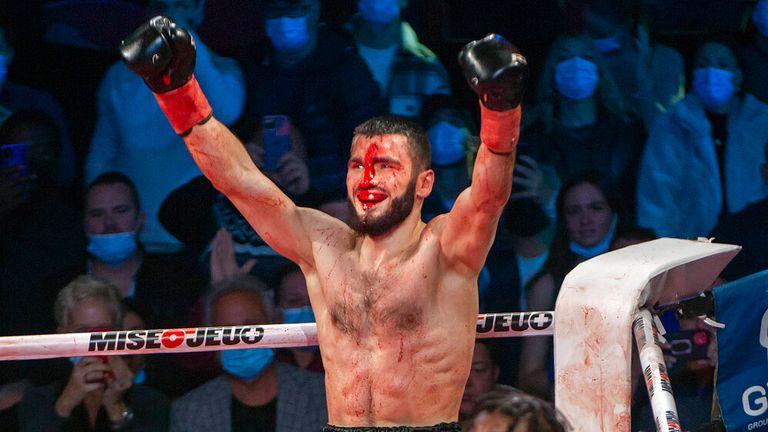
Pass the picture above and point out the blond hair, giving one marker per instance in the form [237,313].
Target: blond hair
[83,288]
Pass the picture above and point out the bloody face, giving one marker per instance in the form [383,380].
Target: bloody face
[380,183]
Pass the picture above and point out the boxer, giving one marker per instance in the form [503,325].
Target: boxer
[395,299]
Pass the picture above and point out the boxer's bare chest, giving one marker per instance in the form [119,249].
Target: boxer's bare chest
[393,296]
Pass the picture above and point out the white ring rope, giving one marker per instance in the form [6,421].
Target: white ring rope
[184,340]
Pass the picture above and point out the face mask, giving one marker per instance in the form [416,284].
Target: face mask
[3,69]
[576,78]
[447,143]
[298,315]
[379,11]
[591,252]
[140,377]
[112,248]
[713,86]
[760,17]
[606,45]
[287,34]
[246,364]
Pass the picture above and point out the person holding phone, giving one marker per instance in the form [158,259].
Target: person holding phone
[99,392]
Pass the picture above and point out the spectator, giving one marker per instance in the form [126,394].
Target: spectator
[407,71]
[510,410]
[17,97]
[703,158]
[40,228]
[650,78]
[132,136]
[196,211]
[254,392]
[99,393]
[518,253]
[162,285]
[583,124]
[482,379]
[312,75]
[293,299]
[692,382]
[753,58]
[453,138]
[587,219]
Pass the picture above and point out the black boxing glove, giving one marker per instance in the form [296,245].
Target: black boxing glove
[496,71]
[498,74]
[163,55]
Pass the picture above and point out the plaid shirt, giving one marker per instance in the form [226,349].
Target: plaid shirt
[416,73]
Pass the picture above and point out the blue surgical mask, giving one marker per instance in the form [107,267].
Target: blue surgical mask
[112,248]
[139,377]
[608,44]
[760,17]
[602,247]
[3,69]
[713,86]
[298,315]
[288,33]
[379,11]
[576,78]
[447,143]
[246,364]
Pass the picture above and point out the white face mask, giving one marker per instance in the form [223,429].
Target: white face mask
[760,17]
[447,143]
[576,78]
[287,33]
[713,86]
[3,69]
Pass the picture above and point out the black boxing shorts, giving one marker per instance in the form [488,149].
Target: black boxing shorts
[442,427]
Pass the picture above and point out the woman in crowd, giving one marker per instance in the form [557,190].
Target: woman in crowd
[587,216]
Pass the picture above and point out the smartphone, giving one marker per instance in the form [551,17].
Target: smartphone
[14,155]
[104,359]
[687,345]
[276,140]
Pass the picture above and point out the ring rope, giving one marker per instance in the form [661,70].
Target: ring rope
[195,339]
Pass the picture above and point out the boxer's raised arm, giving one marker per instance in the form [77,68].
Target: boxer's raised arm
[163,54]
[498,73]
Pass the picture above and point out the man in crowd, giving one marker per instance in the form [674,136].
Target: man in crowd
[255,392]
[306,72]
[395,299]
[99,392]
[407,71]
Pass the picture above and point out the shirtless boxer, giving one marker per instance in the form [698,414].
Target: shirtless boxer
[395,299]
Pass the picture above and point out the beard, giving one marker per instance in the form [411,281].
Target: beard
[398,211]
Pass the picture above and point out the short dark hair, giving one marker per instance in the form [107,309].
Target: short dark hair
[523,410]
[421,152]
[115,177]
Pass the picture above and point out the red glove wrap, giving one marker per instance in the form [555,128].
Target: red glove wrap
[500,130]
[185,106]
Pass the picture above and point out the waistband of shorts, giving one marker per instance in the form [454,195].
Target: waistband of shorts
[441,427]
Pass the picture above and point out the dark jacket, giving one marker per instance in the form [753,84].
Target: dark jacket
[326,95]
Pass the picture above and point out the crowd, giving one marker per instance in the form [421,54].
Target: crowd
[106,221]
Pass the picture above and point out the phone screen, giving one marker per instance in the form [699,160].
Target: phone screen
[276,140]
[688,344]
[14,155]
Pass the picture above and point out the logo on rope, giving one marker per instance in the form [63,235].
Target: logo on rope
[515,321]
[174,338]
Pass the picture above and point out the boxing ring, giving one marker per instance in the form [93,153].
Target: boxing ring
[599,306]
